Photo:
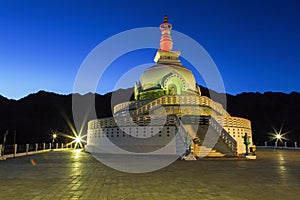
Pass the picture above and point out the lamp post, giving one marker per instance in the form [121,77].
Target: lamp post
[278,137]
[15,136]
[54,136]
[3,144]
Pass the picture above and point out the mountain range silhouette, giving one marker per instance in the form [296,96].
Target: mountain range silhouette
[35,117]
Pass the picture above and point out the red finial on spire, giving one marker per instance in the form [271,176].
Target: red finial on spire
[166,19]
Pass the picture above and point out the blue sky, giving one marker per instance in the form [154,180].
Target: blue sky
[255,44]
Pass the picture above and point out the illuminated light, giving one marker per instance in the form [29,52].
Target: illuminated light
[77,139]
[54,136]
[278,136]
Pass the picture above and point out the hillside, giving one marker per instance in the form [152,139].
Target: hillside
[37,115]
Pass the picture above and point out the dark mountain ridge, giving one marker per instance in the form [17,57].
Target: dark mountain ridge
[36,116]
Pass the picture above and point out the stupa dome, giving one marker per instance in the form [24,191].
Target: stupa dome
[175,79]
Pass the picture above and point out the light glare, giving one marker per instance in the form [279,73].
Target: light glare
[77,139]
[278,136]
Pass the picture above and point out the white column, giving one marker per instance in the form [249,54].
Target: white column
[285,145]
[0,150]
[49,145]
[15,150]
[295,144]
[266,143]
[27,149]
[44,146]
[56,146]
[36,146]
[62,145]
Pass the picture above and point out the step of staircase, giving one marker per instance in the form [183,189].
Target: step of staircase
[203,151]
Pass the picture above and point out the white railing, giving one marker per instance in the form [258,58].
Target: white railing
[9,151]
[278,145]
[224,135]
[170,100]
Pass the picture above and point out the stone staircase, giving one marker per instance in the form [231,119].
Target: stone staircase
[209,138]
[197,147]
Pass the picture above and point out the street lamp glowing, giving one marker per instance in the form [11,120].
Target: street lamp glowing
[54,136]
[278,136]
[77,139]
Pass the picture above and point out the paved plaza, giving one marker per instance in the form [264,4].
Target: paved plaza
[78,175]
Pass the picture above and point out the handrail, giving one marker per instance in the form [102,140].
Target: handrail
[224,135]
[164,100]
[16,150]
[210,120]
[182,132]
[150,104]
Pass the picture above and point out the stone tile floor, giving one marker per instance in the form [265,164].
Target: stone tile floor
[78,175]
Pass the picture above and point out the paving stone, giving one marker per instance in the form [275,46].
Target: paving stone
[78,175]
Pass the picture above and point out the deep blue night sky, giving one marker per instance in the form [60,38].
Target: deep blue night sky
[254,43]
